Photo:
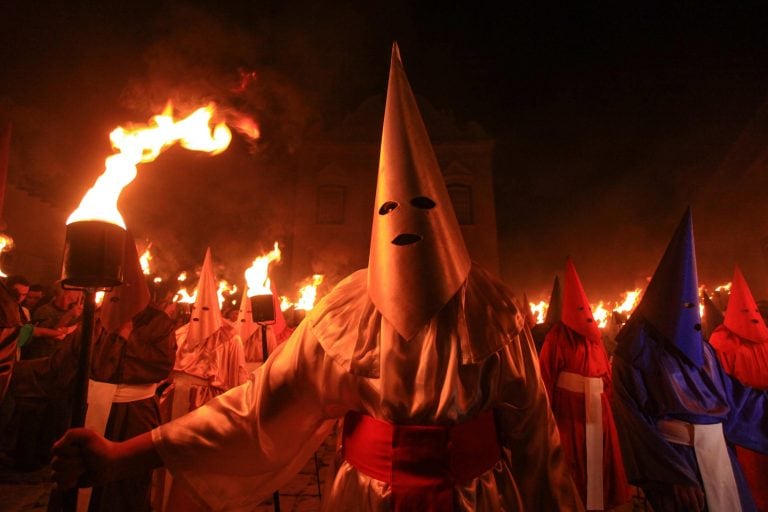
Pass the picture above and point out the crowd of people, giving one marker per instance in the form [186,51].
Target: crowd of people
[442,399]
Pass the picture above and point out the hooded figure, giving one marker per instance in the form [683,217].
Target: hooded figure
[740,343]
[209,361]
[712,317]
[134,349]
[425,356]
[554,311]
[250,332]
[674,405]
[576,371]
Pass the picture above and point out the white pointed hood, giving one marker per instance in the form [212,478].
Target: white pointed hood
[206,314]
[418,259]
[244,325]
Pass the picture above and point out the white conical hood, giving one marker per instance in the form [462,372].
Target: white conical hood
[245,326]
[418,259]
[206,314]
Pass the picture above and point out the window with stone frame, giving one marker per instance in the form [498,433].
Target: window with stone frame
[461,197]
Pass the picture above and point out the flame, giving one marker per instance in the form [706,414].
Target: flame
[308,294]
[701,310]
[600,314]
[184,297]
[285,304]
[99,298]
[631,299]
[724,288]
[257,276]
[158,280]
[144,259]
[142,145]
[225,287]
[182,277]
[6,244]
[539,310]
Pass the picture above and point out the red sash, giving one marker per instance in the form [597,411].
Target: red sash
[421,463]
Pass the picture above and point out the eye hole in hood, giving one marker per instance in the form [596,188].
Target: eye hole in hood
[388,207]
[423,203]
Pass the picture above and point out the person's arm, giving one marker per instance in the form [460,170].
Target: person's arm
[84,457]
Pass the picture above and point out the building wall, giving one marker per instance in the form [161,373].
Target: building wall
[335,189]
[37,229]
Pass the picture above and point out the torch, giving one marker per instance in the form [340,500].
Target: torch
[263,313]
[93,260]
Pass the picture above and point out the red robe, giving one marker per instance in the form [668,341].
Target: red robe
[747,362]
[565,350]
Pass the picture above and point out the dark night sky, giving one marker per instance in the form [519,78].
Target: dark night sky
[609,120]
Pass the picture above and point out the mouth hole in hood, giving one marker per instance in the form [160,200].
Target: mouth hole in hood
[407,239]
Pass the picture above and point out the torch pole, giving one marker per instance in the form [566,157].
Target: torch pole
[265,355]
[80,397]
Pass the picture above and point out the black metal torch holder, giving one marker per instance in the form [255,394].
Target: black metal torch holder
[263,313]
[93,260]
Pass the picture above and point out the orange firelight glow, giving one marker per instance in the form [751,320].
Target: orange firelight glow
[143,144]
[225,287]
[144,259]
[6,244]
[308,294]
[257,275]
[539,311]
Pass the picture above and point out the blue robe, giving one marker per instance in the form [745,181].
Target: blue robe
[652,380]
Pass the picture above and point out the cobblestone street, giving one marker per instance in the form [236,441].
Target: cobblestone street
[29,491]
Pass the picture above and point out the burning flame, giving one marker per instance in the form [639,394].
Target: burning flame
[308,294]
[600,314]
[182,277]
[6,244]
[539,310]
[285,304]
[99,297]
[142,145]
[158,280]
[631,299]
[724,288]
[225,287]
[144,259]
[184,297]
[257,276]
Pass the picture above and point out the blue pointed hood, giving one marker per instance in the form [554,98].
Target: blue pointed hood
[670,304]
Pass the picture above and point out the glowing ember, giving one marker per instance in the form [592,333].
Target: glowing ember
[144,259]
[142,145]
[158,280]
[308,294]
[257,276]
[539,311]
[225,287]
[182,277]
[6,244]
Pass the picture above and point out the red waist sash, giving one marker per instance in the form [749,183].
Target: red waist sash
[421,463]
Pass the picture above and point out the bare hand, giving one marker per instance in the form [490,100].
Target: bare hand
[689,497]
[82,457]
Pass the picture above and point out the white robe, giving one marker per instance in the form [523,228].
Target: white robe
[472,356]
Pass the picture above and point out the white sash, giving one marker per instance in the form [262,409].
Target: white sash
[713,459]
[592,388]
